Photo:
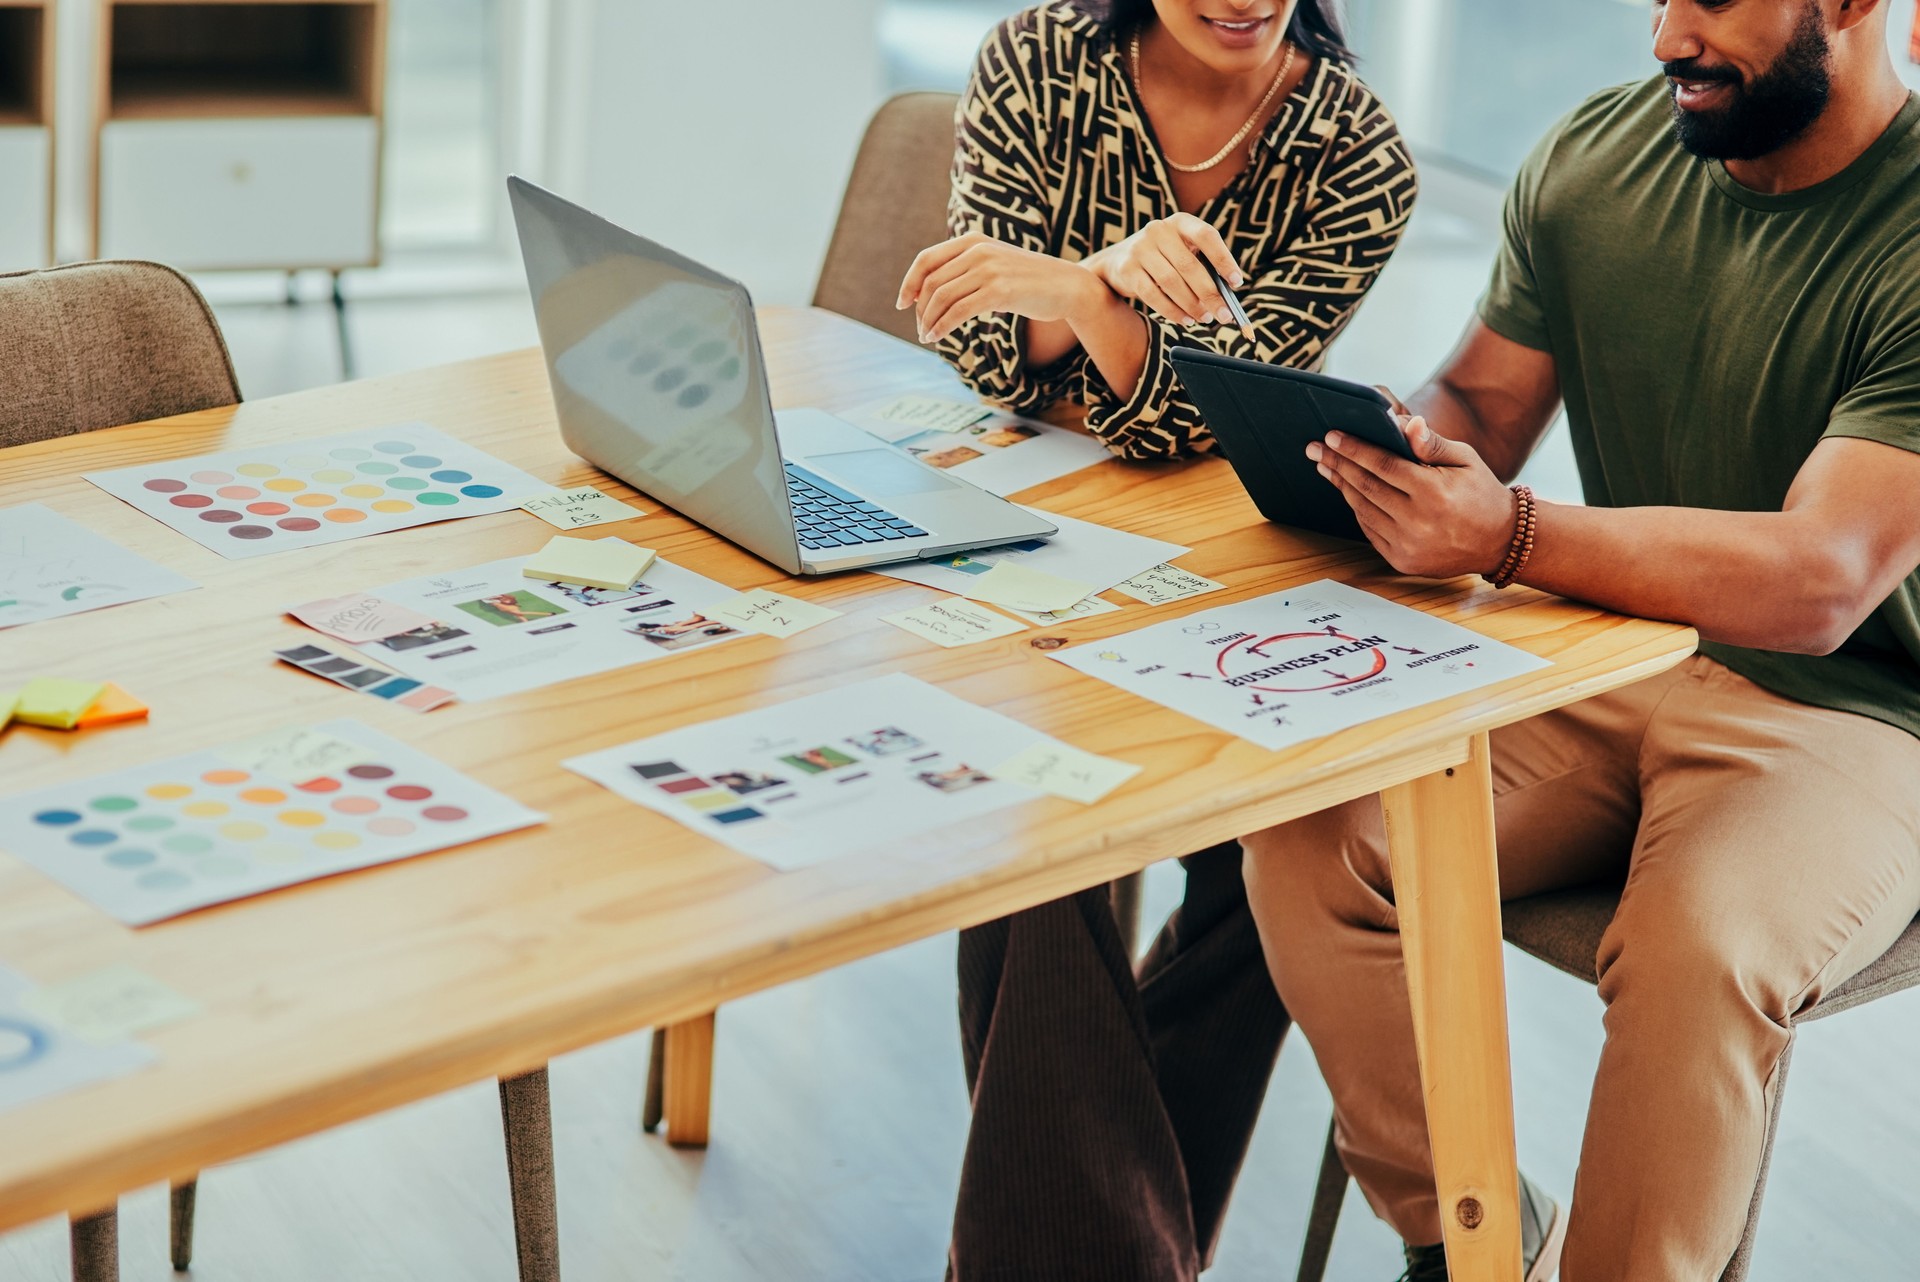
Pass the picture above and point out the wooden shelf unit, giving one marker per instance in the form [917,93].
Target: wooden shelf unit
[240,133]
[26,134]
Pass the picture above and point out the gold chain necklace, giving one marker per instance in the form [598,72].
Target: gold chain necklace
[1286,65]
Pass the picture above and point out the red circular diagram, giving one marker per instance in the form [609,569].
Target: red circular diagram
[1247,655]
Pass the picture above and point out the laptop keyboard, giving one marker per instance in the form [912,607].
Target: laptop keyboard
[831,517]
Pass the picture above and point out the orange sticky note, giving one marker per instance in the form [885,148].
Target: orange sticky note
[114,704]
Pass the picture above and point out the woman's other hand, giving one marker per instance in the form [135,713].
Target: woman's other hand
[973,275]
[1160,266]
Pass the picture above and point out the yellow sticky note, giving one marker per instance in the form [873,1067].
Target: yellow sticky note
[766,611]
[581,505]
[1065,771]
[9,699]
[1164,583]
[610,563]
[1016,586]
[113,705]
[954,621]
[56,701]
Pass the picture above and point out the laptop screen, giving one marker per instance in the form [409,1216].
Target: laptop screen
[656,371]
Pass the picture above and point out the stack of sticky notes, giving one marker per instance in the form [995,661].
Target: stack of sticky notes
[610,563]
[64,704]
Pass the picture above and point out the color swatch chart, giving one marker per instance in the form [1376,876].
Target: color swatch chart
[39,1058]
[159,840]
[300,494]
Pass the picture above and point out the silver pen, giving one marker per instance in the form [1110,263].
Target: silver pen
[1240,316]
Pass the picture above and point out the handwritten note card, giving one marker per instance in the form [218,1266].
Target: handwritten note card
[911,415]
[1065,771]
[1164,583]
[766,611]
[954,621]
[358,616]
[570,509]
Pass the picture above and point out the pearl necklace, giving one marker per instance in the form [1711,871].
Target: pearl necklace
[1286,65]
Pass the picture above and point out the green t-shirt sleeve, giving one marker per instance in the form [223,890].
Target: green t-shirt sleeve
[1512,306]
[1883,404]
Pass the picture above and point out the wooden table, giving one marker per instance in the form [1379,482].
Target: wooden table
[339,999]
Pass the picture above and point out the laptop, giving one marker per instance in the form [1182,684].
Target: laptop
[658,378]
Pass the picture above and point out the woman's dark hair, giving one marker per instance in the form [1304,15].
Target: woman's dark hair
[1314,26]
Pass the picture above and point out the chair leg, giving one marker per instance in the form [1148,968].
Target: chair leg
[688,1084]
[180,1223]
[653,1102]
[1736,1270]
[526,1117]
[1329,1191]
[1126,909]
[95,1243]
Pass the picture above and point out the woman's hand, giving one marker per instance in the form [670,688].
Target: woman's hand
[1159,265]
[973,275]
[1451,516]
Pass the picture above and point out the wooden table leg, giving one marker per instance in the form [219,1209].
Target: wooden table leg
[653,1100]
[1446,884]
[526,1116]
[689,1081]
[95,1243]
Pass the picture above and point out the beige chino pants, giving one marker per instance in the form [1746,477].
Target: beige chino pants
[1771,850]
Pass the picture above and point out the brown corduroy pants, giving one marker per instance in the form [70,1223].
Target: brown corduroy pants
[1111,1111]
[1771,850]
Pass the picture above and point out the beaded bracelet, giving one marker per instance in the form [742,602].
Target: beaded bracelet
[1522,546]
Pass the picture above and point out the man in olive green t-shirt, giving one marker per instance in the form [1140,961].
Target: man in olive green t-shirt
[1717,272]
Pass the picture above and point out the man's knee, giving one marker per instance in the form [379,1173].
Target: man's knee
[1696,969]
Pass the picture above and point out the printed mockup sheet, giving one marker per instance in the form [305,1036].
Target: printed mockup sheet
[50,566]
[999,452]
[301,494]
[868,766]
[1081,551]
[1292,666]
[165,838]
[39,1058]
[497,632]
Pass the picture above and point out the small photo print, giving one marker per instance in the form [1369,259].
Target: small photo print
[746,781]
[509,609]
[588,597]
[953,456]
[431,634]
[1006,434]
[683,634]
[819,760]
[885,742]
[954,779]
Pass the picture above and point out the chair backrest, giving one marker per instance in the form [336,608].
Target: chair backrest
[895,206]
[100,344]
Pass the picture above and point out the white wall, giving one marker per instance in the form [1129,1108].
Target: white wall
[725,130]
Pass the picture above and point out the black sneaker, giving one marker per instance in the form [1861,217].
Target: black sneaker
[1543,1231]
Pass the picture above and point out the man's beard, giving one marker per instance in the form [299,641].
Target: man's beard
[1767,113]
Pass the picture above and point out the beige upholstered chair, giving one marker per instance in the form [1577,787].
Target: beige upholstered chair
[1563,930]
[96,345]
[895,206]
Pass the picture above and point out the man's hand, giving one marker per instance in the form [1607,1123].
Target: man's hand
[1444,516]
[974,275]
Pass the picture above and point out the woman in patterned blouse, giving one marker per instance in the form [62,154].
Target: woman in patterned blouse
[1101,153]
[1090,178]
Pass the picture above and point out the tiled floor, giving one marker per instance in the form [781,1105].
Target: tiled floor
[840,1109]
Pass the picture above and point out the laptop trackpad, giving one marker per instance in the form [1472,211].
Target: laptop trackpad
[879,473]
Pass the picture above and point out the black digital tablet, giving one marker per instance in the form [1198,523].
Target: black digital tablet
[1263,417]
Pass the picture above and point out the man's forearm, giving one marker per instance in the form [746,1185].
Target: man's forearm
[1769,580]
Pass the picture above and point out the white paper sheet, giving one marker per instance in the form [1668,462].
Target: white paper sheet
[38,1058]
[1292,666]
[51,566]
[1082,551]
[502,633]
[171,836]
[1001,452]
[868,766]
[298,494]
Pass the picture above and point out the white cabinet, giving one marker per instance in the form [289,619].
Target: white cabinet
[25,196]
[241,192]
